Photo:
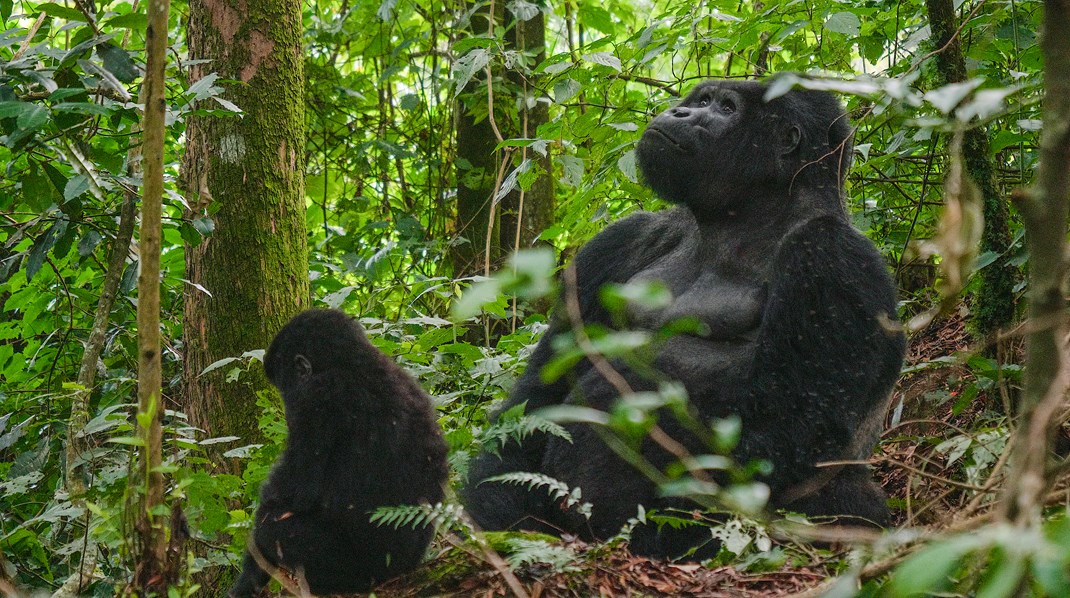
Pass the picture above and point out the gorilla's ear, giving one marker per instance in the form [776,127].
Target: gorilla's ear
[302,366]
[790,137]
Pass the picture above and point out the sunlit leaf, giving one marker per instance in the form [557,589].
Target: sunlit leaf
[846,23]
[604,59]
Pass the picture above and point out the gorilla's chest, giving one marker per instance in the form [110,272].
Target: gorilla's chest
[729,301]
[727,295]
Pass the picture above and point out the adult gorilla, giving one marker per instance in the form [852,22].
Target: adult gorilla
[797,304]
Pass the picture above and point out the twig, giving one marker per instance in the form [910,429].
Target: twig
[29,36]
[492,557]
[272,570]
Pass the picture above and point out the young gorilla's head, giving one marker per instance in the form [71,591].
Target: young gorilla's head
[724,144]
[314,342]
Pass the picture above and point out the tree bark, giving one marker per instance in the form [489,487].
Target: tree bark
[1045,208]
[150,573]
[247,174]
[476,169]
[994,308]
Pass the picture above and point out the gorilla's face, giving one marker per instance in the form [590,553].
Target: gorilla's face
[722,144]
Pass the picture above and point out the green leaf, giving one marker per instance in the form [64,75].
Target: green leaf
[88,243]
[127,440]
[386,10]
[571,169]
[604,59]
[927,571]
[83,108]
[598,18]
[5,9]
[13,108]
[467,66]
[573,414]
[846,23]
[566,89]
[218,364]
[749,498]
[947,97]
[134,20]
[523,10]
[78,50]
[62,12]
[204,225]
[1003,575]
[646,294]
[37,190]
[726,432]
[76,185]
[468,354]
[117,62]
[560,365]
[475,297]
[33,119]
[44,243]
[202,88]
[627,165]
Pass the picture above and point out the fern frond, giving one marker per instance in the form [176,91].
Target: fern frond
[571,497]
[525,551]
[439,515]
[516,429]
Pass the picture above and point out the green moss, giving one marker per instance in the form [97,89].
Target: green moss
[255,265]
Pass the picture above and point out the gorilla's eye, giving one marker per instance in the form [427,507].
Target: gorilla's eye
[728,106]
[703,102]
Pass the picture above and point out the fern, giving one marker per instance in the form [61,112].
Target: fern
[414,516]
[557,489]
[527,551]
[516,427]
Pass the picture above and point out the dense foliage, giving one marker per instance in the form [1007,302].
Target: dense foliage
[383,83]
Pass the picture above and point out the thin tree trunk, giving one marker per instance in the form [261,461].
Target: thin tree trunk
[525,215]
[1045,208]
[246,173]
[994,307]
[522,216]
[149,574]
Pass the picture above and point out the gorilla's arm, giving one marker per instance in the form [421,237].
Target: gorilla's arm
[297,482]
[824,363]
[613,256]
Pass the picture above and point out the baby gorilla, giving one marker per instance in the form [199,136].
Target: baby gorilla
[362,434]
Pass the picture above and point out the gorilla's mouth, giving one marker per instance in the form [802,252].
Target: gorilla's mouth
[664,136]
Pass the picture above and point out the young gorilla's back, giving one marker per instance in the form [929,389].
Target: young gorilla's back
[362,434]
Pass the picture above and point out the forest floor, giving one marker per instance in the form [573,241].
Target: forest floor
[916,475]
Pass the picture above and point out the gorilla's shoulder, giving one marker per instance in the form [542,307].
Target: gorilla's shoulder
[828,249]
[828,233]
[648,232]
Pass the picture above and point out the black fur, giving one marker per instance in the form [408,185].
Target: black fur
[362,434]
[761,250]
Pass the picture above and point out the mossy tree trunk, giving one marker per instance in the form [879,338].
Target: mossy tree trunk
[246,173]
[994,307]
